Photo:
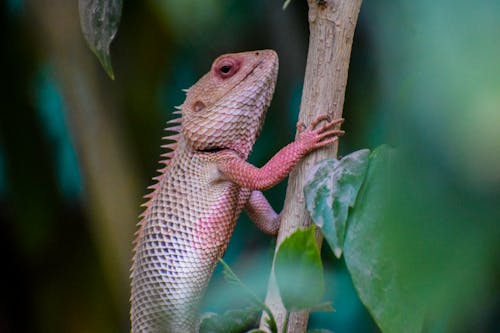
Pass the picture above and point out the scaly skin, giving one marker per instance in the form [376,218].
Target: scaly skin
[205,184]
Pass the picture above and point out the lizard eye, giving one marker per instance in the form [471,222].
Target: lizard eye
[226,68]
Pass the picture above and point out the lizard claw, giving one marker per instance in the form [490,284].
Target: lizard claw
[328,126]
[301,127]
[319,119]
[320,136]
[328,119]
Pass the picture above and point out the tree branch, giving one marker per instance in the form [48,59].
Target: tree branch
[332,24]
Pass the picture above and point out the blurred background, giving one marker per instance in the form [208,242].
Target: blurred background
[77,150]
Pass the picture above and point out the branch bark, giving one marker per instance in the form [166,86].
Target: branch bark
[332,24]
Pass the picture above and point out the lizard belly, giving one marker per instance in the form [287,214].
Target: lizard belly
[186,231]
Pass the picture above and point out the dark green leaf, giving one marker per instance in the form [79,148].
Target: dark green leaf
[233,321]
[370,258]
[299,271]
[99,20]
[321,330]
[271,322]
[331,188]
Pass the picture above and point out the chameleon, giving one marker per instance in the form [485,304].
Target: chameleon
[204,184]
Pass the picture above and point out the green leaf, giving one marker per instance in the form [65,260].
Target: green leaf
[270,321]
[99,20]
[232,278]
[331,188]
[232,321]
[299,271]
[370,254]
[321,330]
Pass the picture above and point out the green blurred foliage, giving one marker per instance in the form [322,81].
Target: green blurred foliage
[52,115]
[424,77]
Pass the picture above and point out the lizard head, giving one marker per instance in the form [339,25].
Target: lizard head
[225,109]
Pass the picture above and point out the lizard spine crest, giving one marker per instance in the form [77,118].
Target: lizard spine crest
[174,126]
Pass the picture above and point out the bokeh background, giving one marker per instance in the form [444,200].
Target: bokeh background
[77,150]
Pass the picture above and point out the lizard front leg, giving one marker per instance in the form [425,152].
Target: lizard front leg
[239,171]
[262,214]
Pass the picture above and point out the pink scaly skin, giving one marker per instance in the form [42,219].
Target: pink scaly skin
[204,186]
[279,166]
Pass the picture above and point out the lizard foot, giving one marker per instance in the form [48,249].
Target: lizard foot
[315,136]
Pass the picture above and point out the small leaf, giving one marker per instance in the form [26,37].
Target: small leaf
[331,188]
[271,322]
[232,278]
[99,20]
[286,3]
[299,271]
[229,275]
[232,321]
[370,254]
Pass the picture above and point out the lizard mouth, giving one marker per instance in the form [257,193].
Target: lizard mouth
[211,150]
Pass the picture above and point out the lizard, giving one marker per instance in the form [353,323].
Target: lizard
[205,183]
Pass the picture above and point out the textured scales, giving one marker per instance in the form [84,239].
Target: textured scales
[204,185]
